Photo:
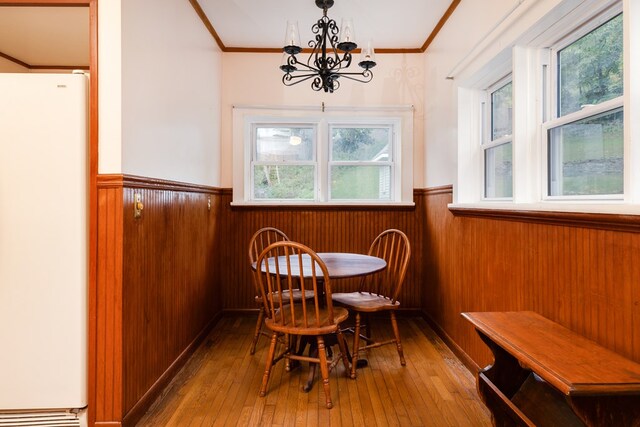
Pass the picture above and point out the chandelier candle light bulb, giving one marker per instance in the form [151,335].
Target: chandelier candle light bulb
[330,54]
[367,56]
[292,38]
[347,36]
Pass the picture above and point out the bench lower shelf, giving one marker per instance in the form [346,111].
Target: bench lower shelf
[534,404]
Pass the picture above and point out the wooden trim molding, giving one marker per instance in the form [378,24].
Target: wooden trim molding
[440,24]
[14,60]
[432,191]
[60,67]
[207,23]
[93,211]
[613,222]
[131,181]
[307,50]
[205,20]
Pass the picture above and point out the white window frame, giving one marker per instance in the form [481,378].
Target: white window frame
[392,125]
[400,118]
[554,120]
[254,151]
[487,133]
[521,44]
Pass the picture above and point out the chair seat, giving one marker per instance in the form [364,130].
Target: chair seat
[340,314]
[297,296]
[365,302]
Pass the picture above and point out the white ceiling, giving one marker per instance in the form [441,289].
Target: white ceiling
[391,24]
[60,35]
[46,35]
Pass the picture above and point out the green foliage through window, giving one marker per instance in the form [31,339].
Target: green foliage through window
[591,68]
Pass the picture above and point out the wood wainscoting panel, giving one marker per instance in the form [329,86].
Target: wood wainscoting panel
[157,290]
[323,229]
[107,337]
[584,277]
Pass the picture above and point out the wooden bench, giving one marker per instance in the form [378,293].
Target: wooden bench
[546,375]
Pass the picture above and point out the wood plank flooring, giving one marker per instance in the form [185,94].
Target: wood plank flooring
[219,385]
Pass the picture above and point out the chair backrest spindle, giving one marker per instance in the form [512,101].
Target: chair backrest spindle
[286,265]
[393,246]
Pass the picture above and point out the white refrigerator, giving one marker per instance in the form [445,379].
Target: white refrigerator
[43,248]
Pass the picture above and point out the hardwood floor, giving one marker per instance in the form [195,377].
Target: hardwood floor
[219,385]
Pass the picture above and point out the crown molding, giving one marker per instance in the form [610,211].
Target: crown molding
[440,24]
[207,23]
[42,67]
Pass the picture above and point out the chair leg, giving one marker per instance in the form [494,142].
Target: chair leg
[342,343]
[324,370]
[313,353]
[258,330]
[367,327]
[356,344]
[287,362]
[292,345]
[269,364]
[396,332]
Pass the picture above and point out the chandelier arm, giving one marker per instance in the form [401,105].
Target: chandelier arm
[366,77]
[307,66]
[291,80]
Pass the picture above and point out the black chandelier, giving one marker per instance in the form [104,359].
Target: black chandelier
[330,54]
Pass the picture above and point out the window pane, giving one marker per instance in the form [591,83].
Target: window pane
[360,144]
[498,180]
[586,157]
[283,182]
[361,182]
[501,117]
[284,143]
[590,69]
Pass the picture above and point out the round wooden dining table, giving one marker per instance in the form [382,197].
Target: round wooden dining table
[340,265]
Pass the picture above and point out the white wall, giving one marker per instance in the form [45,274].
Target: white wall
[109,87]
[255,79]
[162,76]
[160,79]
[471,20]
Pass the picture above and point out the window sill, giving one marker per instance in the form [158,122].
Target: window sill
[605,216]
[297,206]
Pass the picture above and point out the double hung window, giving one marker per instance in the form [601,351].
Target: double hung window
[337,157]
[551,135]
[584,136]
[497,144]
[284,163]
[361,162]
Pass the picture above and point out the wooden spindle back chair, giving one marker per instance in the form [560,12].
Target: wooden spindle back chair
[259,241]
[282,268]
[379,292]
[393,246]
